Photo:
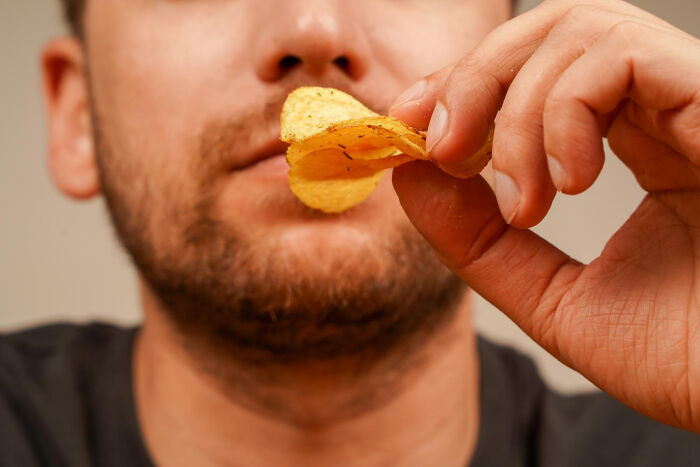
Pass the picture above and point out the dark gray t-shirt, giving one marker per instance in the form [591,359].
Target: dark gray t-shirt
[66,400]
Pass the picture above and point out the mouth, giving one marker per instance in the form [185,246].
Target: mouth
[270,151]
[263,162]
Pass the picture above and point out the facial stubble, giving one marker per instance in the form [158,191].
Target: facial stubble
[253,299]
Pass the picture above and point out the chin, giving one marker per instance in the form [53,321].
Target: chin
[324,243]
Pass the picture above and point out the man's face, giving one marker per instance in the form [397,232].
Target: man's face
[186,96]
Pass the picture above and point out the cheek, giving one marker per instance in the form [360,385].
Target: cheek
[161,69]
[157,74]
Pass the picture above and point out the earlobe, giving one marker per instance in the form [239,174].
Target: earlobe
[71,157]
[74,169]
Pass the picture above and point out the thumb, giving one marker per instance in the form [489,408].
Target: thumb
[516,270]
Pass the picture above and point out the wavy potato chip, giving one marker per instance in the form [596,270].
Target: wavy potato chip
[339,149]
[310,110]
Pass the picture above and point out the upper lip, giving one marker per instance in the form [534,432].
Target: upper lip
[271,146]
[264,140]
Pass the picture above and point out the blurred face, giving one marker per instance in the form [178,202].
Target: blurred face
[186,96]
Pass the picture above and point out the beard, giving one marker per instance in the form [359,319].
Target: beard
[255,295]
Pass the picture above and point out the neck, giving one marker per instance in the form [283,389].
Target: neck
[415,407]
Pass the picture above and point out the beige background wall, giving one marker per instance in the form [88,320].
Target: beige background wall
[58,260]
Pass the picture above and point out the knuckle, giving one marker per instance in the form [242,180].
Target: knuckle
[473,72]
[628,30]
[473,61]
[557,3]
[577,13]
[524,123]
[554,103]
[580,26]
[439,77]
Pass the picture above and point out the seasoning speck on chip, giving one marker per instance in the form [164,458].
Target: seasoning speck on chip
[339,149]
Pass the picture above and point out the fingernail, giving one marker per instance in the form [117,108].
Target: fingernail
[508,195]
[414,93]
[437,127]
[557,172]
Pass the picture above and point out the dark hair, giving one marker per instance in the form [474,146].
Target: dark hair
[73,13]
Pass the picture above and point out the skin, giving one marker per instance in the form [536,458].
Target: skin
[628,321]
[129,111]
[563,76]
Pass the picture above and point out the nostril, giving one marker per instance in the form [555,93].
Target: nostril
[288,62]
[343,63]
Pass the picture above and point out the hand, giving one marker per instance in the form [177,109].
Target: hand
[564,76]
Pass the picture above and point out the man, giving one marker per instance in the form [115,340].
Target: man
[276,335]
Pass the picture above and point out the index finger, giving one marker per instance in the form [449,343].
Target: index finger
[415,105]
[463,100]
[468,99]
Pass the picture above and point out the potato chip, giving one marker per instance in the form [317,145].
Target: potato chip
[310,110]
[339,149]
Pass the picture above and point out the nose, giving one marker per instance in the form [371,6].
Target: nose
[316,38]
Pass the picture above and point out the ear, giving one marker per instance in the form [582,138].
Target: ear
[71,158]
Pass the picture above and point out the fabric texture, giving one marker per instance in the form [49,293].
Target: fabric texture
[66,400]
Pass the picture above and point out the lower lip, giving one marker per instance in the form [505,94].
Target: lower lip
[271,167]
